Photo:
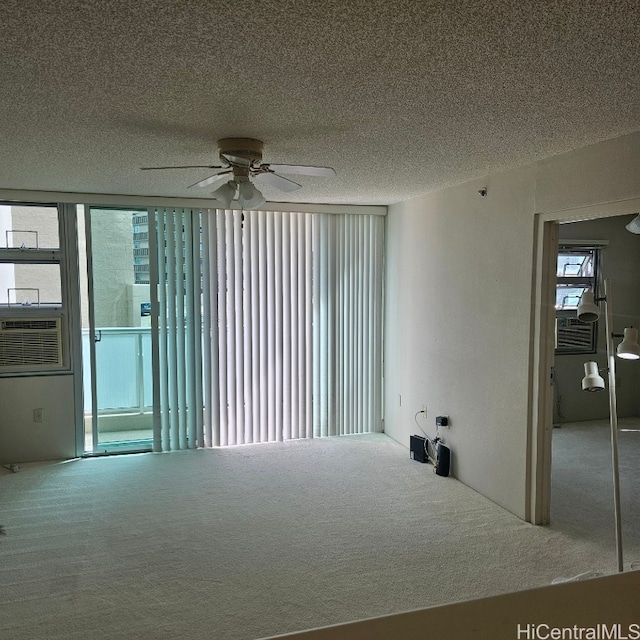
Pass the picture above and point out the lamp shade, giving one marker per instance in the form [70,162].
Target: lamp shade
[248,196]
[629,349]
[588,310]
[225,193]
[592,380]
[634,225]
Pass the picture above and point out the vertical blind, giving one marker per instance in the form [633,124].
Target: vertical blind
[268,327]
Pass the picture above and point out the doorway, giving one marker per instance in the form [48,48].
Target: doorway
[543,358]
[582,489]
[116,331]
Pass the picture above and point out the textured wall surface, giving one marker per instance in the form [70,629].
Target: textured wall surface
[457,326]
[22,439]
[459,278]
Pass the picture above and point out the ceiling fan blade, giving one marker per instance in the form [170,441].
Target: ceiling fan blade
[211,180]
[242,162]
[302,170]
[275,180]
[188,166]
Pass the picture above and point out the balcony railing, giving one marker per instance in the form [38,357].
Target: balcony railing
[123,370]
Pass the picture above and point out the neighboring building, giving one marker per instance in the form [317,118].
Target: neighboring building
[140,223]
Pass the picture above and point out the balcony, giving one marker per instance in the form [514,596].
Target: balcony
[123,384]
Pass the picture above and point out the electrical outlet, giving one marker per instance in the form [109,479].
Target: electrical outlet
[38,415]
[424,410]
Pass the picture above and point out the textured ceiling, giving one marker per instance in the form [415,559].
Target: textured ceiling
[399,96]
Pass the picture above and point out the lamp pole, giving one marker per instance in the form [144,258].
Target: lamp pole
[613,420]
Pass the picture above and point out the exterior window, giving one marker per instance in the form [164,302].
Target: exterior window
[30,276]
[30,285]
[576,272]
[29,227]
[32,299]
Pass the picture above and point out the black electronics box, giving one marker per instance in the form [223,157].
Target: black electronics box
[418,448]
[444,460]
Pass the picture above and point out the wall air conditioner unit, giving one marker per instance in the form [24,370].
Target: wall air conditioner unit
[575,336]
[30,344]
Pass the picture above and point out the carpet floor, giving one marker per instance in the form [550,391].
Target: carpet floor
[582,505]
[248,542]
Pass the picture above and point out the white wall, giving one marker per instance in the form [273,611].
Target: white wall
[604,172]
[609,600]
[22,439]
[458,306]
[457,326]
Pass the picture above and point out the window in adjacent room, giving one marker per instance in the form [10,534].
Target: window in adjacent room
[576,272]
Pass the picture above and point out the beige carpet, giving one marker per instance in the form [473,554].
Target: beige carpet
[582,504]
[247,542]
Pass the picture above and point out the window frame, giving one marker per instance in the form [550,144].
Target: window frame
[35,256]
[578,281]
[65,257]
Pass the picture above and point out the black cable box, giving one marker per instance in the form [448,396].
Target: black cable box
[418,448]
[418,452]
[443,463]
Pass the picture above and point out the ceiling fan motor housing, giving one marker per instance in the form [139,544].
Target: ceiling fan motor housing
[246,148]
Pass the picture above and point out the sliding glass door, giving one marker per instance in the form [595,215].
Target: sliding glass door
[117,332]
[267,327]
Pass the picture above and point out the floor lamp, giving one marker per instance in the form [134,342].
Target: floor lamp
[589,311]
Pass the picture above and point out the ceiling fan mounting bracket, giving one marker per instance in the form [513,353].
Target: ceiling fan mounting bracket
[246,148]
[241,172]
[241,162]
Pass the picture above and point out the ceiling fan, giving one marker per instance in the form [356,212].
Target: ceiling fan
[241,162]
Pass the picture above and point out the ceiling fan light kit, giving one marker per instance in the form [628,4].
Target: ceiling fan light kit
[226,193]
[248,196]
[241,160]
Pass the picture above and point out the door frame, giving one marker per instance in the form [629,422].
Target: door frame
[92,326]
[546,227]
[98,448]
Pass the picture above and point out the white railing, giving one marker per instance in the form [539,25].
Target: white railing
[123,370]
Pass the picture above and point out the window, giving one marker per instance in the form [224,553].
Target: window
[576,272]
[30,276]
[32,316]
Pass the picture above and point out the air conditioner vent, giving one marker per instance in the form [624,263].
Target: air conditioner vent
[31,324]
[30,344]
[572,335]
